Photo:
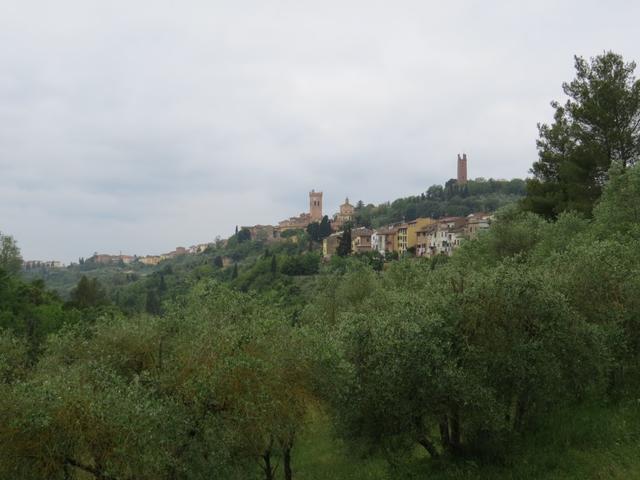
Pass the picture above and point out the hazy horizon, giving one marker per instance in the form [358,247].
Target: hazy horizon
[141,127]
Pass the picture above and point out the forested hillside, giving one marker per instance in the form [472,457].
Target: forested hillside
[451,199]
[129,285]
[425,360]
[516,357]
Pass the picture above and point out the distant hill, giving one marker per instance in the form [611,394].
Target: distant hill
[128,285]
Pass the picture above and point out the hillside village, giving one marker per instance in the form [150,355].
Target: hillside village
[422,236]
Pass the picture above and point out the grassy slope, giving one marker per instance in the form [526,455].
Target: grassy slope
[320,456]
[589,442]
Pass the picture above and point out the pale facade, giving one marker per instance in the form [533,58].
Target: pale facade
[32,264]
[442,237]
[402,238]
[476,223]
[150,260]
[384,240]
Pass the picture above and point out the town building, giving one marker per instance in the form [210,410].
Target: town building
[402,238]
[200,248]
[443,237]
[102,259]
[34,264]
[330,244]
[304,219]
[476,223]
[406,237]
[413,227]
[150,260]
[344,216]
[384,240]
[361,240]
[265,233]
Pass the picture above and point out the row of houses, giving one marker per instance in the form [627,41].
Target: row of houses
[423,237]
[36,264]
[106,259]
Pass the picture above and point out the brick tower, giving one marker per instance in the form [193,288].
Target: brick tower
[315,205]
[462,169]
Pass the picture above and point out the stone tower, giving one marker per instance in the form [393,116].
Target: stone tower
[315,205]
[462,169]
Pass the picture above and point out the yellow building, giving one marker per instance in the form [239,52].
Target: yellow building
[406,236]
[402,238]
[414,226]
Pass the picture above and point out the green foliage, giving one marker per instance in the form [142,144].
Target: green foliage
[200,393]
[88,293]
[318,231]
[243,235]
[344,246]
[588,441]
[234,274]
[477,195]
[475,357]
[306,264]
[30,311]
[618,211]
[290,233]
[374,259]
[10,259]
[597,128]
[14,357]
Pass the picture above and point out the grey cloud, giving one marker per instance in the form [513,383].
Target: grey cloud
[140,126]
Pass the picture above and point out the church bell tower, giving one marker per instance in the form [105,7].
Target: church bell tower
[315,205]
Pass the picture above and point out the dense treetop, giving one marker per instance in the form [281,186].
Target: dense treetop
[596,128]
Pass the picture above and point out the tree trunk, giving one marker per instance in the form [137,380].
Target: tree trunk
[428,446]
[521,409]
[445,439]
[288,474]
[269,471]
[455,431]
[422,438]
[96,471]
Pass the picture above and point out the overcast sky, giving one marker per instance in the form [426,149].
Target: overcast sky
[138,126]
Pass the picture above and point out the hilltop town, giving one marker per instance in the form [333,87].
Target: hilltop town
[420,236]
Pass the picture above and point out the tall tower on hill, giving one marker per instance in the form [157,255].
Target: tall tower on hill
[462,169]
[315,205]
